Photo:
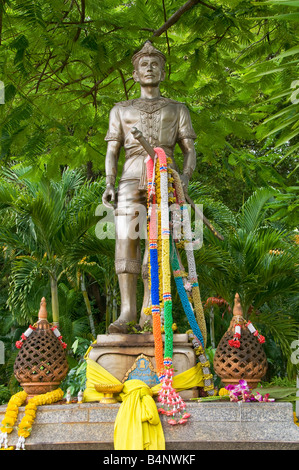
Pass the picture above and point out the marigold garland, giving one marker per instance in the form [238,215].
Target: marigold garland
[25,426]
[11,416]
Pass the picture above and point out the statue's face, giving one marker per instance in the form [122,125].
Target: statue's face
[149,71]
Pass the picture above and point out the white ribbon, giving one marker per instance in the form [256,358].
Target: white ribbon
[21,443]
[3,439]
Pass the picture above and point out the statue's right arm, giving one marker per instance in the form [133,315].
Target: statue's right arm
[112,155]
[114,139]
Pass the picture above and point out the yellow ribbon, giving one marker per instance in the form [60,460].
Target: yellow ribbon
[137,425]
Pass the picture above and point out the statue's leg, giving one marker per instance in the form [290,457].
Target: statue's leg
[127,285]
[127,253]
[127,267]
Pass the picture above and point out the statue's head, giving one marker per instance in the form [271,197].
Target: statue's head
[149,65]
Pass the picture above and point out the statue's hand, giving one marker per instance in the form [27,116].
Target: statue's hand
[109,196]
[185,182]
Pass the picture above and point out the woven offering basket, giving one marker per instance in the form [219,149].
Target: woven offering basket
[246,362]
[41,364]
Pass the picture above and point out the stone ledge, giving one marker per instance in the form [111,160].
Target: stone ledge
[131,340]
[225,425]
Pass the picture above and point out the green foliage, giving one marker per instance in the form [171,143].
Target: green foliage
[76,377]
[60,87]
[4,394]
[259,261]
[279,388]
[42,222]
[248,265]
[276,76]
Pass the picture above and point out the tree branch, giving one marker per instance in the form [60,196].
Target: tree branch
[124,83]
[82,18]
[176,16]
[167,38]
[43,71]
[254,43]
[222,36]
[1,19]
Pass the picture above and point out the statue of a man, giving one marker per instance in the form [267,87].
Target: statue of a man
[163,122]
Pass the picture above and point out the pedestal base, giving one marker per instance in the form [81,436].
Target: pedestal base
[221,425]
[118,352]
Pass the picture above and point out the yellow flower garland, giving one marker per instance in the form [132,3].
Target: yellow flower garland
[25,426]
[223,392]
[11,416]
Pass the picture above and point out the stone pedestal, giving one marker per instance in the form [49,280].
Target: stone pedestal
[118,352]
[212,426]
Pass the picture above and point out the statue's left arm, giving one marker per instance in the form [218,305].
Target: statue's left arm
[188,150]
[186,137]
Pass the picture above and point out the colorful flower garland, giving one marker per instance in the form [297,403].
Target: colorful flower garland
[184,297]
[154,266]
[199,323]
[171,403]
[25,426]
[30,330]
[235,341]
[162,250]
[24,336]
[254,331]
[205,364]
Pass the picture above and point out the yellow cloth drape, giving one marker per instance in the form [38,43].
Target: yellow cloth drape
[137,425]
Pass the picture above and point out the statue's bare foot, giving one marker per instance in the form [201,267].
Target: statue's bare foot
[121,327]
[118,327]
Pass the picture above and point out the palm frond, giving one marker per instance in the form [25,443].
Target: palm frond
[252,214]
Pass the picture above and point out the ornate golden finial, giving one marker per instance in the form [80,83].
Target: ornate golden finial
[237,310]
[42,314]
[148,49]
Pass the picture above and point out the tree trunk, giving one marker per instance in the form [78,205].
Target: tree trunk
[88,307]
[93,289]
[212,328]
[54,297]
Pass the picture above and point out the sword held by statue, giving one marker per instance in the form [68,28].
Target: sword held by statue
[151,152]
